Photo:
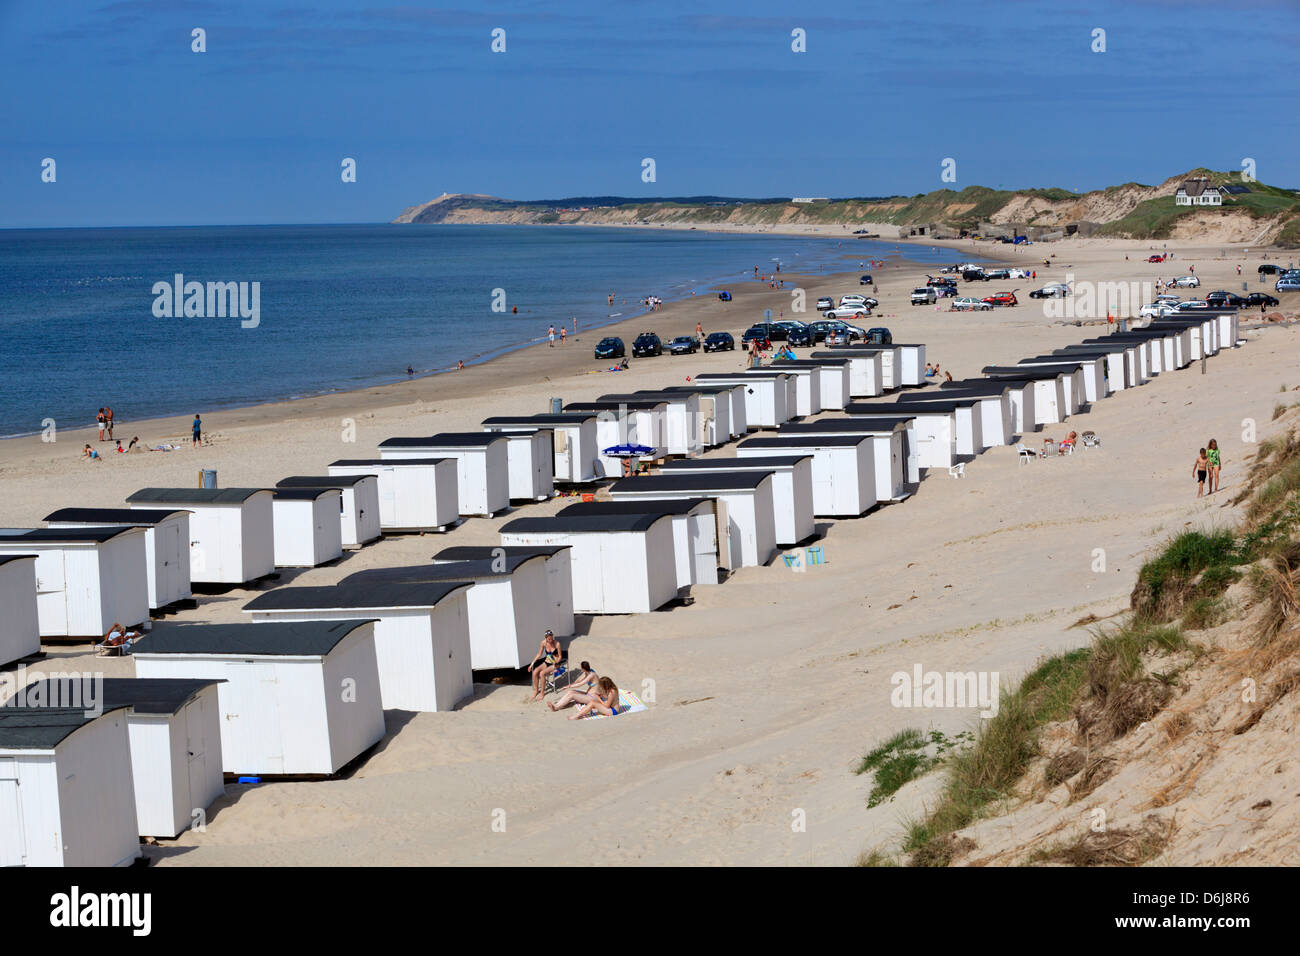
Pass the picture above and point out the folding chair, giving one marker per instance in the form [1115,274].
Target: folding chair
[1025,454]
[561,673]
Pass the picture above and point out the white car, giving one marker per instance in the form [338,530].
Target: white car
[1157,310]
[847,312]
[853,299]
[1170,299]
[1191,306]
[926,296]
[1186,282]
[824,303]
[967,304]
[1018,273]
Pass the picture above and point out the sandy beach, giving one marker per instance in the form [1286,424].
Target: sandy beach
[766,691]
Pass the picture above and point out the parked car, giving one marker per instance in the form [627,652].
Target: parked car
[968,304]
[924,296]
[879,336]
[762,333]
[683,345]
[1222,297]
[798,337]
[1155,258]
[819,329]
[1157,310]
[936,281]
[840,335]
[724,296]
[610,347]
[945,291]
[1186,282]
[866,280]
[973,275]
[1287,285]
[1269,269]
[1190,306]
[647,343]
[1262,298]
[852,299]
[825,302]
[719,342]
[849,311]
[1018,273]
[1002,298]
[1053,290]
[1001,274]
[1169,297]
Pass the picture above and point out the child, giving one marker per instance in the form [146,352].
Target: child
[1198,470]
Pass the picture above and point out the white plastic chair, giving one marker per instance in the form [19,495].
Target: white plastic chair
[1025,455]
[958,470]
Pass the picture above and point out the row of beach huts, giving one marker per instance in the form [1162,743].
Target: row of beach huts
[301,688]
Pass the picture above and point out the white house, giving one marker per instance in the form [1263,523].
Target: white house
[415,494]
[622,563]
[1198,192]
[559,576]
[297,698]
[864,370]
[482,466]
[843,469]
[166,544]
[87,579]
[359,516]
[421,633]
[695,532]
[791,488]
[307,527]
[66,793]
[20,629]
[232,530]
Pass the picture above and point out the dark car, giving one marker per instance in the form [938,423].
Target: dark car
[1223,297]
[610,347]
[762,332]
[866,280]
[724,296]
[1269,269]
[879,336]
[973,275]
[647,343]
[719,342]
[683,345]
[1262,298]
[798,334]
[820,328]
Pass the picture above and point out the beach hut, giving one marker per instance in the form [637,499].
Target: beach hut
[166,544]
[359,517]
[307,527]
[864,371]
[175,738]
[421,633]
[232,530]
[767,402]
[559,575]
[891,361]
[991,411]
[415,494]
[715,424]
[296,698]
[911,364]
[1070,373]
[507,605]
[843,468]
[66,795]
[622,563]
[807,385]
[791,488]
[531,457]
[482,466]
[87,579]
[745,509]
[573,441]
[1115,357]
[935,428]
[1227,328]
[892,452]
[625,422]
[835,374]
[1092,370]
[1019,396]
[1050,406]
[681,418]
[695,533]
[20,630]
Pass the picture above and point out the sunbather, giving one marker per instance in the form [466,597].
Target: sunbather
[118,636]
[578,692]
[546,663]
[605,703]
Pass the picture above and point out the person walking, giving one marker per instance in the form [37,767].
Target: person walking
[699,330]
[550,336]
[1212,454]
[1199,471]
[564,335]
[197,431]
[99,420]
[108,421]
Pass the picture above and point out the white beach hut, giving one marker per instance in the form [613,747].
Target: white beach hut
[991,411]
[573,441]
[1050,407]
[625,422]
[20,630]
[864,370]
[559,575]
[807,384]
[1018,396]
[359,515]
[622,563]
[891,362]
[715,423]
[766,398]
[415,494]
[232,530]
[166,544]
[482,465]
[506,605]
[682,435]
[66,795]
[935,429]
[531,458]
[695,533]
[1091,372]
[1114,358]
[791,488]
[296,698]
[87,579]
[834,374]
[746,512]
[892,452]
[307,527]
[421,633]
[911,364]
[843,469]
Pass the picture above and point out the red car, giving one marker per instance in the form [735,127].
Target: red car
[1155,258]
[1001,298]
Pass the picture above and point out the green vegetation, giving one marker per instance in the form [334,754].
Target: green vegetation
[1194,564]
[904,757]
[1152,219]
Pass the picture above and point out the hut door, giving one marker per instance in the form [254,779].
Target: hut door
[167,542]
[196,746]
[13,837]
[564,470]
[724,533]
[388,497]
[51,599]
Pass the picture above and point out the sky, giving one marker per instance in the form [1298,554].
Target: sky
[145,131]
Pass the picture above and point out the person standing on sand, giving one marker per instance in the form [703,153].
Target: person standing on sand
[197,430]
[1212,453]
[99,420]
[108,421]
[564,335]
[699,330]
[550,336]
[1199,470]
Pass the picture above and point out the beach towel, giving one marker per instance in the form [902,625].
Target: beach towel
[628,703]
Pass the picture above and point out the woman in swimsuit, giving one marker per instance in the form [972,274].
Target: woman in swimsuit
[546,663]
[1212,454]
[580,691]
[606,701]
[1198,471]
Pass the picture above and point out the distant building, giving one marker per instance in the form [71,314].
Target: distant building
[802,199]
[1198,192]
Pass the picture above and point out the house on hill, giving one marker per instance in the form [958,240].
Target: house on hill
[1198,192]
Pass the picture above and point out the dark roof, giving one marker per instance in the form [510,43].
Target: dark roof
[445,440]
[829,361]
[541,421]
[602,406]
[367,593]
[286,639]
[861,348]
[581,523]
[368,462]
[67,535]
[979,386]
[135,516]
[635,506]
[150,695]
[806,441]
[765,372]
[1026,371]
[302,494]
[455,571]
[849,426]
[704,389]
[6,558]
[1058,361]
[707,481]
[39,728]
[321,481]
[877,408]
[832,355]
[196,496]
[950,401]
[649,395]
[700,464]
[469,552]
[1194,187]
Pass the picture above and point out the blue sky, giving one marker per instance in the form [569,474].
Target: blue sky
[144,131]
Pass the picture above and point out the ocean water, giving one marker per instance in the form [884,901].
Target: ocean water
[340,307]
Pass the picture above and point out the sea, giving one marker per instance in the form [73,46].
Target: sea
[90,317]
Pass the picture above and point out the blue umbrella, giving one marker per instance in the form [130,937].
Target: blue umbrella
[627,451]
